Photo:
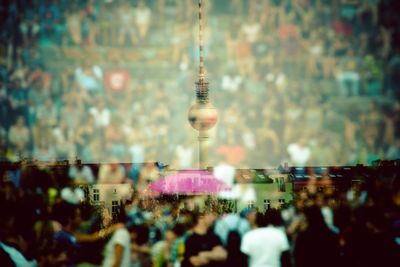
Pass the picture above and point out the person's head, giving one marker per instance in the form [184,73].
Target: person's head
[139,233]
[20,121]
[303,141]
[209,218]
[260,220]
[315,219]
[121,216]
[179,229]
[186,218]
[86,64]
[273,217]
[172,234]
[68,215]
[141,4]
[204,219]
[49,103]
[250,214]
[101,104]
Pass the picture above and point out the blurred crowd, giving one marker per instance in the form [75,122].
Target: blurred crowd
[309,82]
[46,221]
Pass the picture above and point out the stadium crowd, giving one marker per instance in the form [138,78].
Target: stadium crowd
[310,82]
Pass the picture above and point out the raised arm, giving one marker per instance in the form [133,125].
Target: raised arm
[97,235]
[118,250]
[218,253]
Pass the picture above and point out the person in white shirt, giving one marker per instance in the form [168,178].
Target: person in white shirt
[251,30]
[266,244]
[112,173]
[101,114]
[246,192]
[17,258]
[231,81]
[81,173]
[299,152]
[184,155]
[89,77]
[142,19]
[231,221]
[226,173]
[117,251]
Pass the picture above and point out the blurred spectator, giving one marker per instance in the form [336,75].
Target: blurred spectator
[349,77]
[231,228]
[251,29]
[313,116]
[243,57]
[162,249]
[19,135]
[73,21]
[81,173]
[317,244]
[68,216]
[231,82]
[82,135]
[246,192]
[184,154]
[140,247]
[232,151]
[13,245]
[299,152]
[226,173]
[50,17]
[136,148]
[180,37]
[48,113]
[394,150]
[368,241]
[267,244]
[233,221]
[127,25]
[29,28]
[115,138]
[232,37]
[117,250]
[203,247]
[89,77]
[101,114]
[44,151]
[63,142]
[142,19]
[113,173]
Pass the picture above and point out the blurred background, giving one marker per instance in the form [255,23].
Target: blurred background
[308,82]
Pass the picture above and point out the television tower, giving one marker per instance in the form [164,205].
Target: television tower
[202,115]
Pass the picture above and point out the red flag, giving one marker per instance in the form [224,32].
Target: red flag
[117,80]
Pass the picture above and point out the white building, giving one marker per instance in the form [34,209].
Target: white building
[109,196]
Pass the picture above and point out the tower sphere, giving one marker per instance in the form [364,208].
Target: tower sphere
[202,116]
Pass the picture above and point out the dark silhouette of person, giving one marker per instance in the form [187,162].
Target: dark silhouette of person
[317,245]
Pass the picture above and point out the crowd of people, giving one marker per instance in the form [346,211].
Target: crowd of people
[47,221]
[309,82]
